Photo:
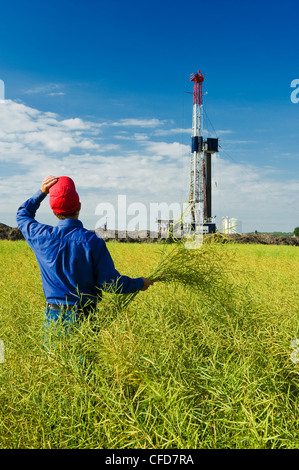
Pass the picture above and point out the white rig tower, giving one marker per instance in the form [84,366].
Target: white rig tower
[200,195]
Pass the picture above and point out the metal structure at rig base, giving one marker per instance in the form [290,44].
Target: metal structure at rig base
[200,193]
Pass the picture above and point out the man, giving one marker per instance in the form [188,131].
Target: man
[75,263]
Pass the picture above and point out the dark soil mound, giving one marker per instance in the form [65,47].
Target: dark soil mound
[263,238]
[14,233]
[10,233]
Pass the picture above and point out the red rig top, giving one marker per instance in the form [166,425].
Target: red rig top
[197,78]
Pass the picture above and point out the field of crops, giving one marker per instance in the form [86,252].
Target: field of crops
[201,360]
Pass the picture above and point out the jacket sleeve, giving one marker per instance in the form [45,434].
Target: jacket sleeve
[26,216]
[109,279]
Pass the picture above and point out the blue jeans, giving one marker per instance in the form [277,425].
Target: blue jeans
[58,323]
[66,318]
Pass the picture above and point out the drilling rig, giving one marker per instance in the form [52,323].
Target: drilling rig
[200,194]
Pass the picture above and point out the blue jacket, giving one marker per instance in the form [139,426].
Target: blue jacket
[75,263]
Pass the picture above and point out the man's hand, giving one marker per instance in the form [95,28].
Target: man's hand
[147,283]
[47,183]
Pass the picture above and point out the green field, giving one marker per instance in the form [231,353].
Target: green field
[204,364]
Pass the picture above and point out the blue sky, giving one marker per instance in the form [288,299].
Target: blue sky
[97,90]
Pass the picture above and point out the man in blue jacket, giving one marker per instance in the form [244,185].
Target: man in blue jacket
[75,263]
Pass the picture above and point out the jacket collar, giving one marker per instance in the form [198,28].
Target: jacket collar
[70,223]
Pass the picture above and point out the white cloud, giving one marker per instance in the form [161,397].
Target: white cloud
[165,132]
[230,141]
[254,195]
[59,93]
[74,124]
[34,144]
[222,132]
[139,122]
[172,150]
[20,124]
[50,89]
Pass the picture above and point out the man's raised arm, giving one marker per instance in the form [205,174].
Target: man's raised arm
[26,212]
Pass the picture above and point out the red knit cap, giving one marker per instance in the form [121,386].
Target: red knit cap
[64,198]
